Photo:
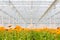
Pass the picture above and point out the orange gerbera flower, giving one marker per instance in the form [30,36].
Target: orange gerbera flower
[45,29]
[10,30]
[58,31]
[26,29]
[18,28]
[2,28]
[37,30]
[52,30]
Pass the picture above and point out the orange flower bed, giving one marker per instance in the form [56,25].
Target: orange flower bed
[19,28]
[26,33]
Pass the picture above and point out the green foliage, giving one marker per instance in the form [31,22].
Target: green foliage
[31,35]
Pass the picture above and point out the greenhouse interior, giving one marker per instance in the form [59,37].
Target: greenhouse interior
[29,19]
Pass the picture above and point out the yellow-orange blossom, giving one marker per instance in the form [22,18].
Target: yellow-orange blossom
[19,28]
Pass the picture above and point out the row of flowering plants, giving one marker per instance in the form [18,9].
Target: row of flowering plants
[19,33]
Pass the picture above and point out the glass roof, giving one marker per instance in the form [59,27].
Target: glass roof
[25,12]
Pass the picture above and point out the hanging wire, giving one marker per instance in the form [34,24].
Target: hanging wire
[31,15]
[31,12]
[10,18]
[8,15]
[19,14]
[52,16]
[47,10]
[52,20]
[54,10]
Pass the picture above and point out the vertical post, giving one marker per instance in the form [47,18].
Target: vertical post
[51,22]
[13,22]
[2,20]
[9,20]
[31,15]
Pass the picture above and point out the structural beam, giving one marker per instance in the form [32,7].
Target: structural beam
[47,10]
[8,15]
[54,15]
[19,14]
